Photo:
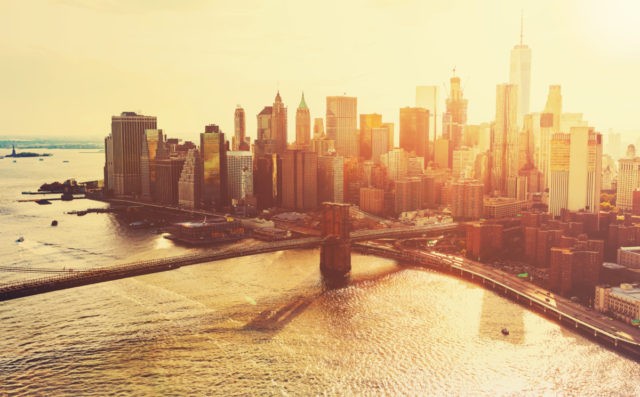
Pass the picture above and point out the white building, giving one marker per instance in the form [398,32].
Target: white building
[622,302]
[628,181]
[585,170]
[239,174]
[520,76]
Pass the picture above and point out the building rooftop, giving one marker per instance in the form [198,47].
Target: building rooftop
[635,250]
[628,291]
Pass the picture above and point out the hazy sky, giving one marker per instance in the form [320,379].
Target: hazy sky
[68,65]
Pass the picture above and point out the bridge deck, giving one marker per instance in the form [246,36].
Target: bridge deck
[116,272]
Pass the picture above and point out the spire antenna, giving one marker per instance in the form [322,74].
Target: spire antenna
[521,25]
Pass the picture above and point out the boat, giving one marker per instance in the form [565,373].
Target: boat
[54,223]
[43,201]
[20,239]
[65,161]
[207,232]
[505,331]
[39,159]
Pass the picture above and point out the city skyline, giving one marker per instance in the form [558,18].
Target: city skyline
[127,68]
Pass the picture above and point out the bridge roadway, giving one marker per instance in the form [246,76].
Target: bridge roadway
[108,273]
[611,333]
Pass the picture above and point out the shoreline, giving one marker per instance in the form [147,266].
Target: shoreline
[589,323]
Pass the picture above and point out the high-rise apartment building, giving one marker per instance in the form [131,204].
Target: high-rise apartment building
[239,130]
[467,200]
[190,182]
[213,154]
[575,171]
[239,174]
[585,170]
[367,123]
[559,153]
[123,151]
[341,118]
[520,76]
[408,194]
[372,200]
[303,124]
[628,182]
[414,132]
[463,163]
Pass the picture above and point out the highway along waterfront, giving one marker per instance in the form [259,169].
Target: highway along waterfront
[609,332]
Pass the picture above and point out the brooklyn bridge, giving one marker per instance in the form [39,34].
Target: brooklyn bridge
[335,244]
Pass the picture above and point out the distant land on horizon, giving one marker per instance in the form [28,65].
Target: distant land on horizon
[7,142]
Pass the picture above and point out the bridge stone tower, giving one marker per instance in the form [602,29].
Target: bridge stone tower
[335,250]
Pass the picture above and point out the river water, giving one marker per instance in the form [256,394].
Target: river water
[200,330]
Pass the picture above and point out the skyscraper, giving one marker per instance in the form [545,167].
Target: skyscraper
[331,179]
[397,163]
[520,75]
[190,183]
[341,118]
[264,145]
[168,172]
[152,144]
[239,130]
[379,143]
[554,107]
[318,128]
[279,124]
[427,98]
[125,148]
[299,180]
[628,182]
[213,154]
[367,123]
[559,152]
[575,169]
[391,134]
[456,116]
[585,170]
[414,132]
[504,148]
[467,200]
[239,163]
[303,124]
